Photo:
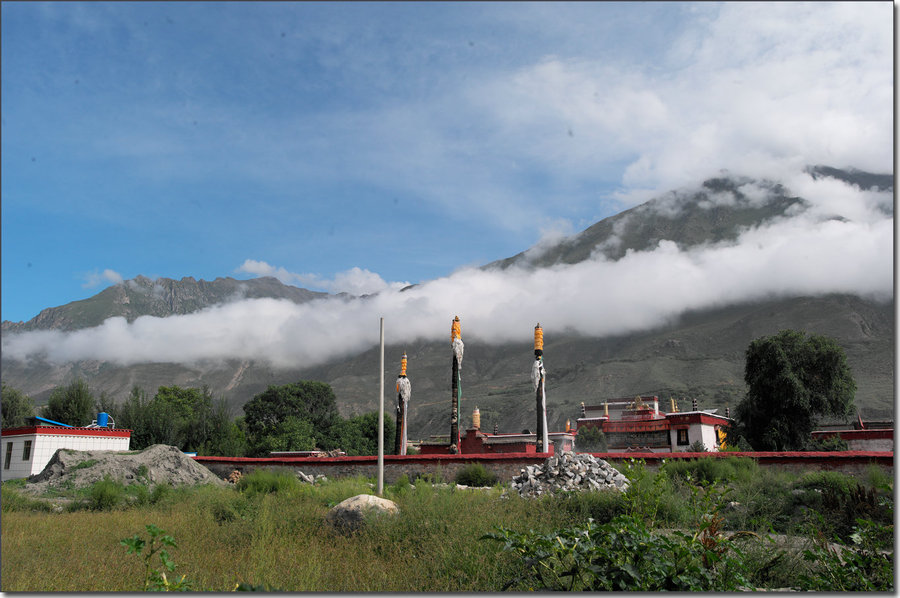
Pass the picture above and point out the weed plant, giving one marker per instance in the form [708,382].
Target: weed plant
[11,499]
[707,471]
[601,507]
[476,474]
[268,480]
[264,538]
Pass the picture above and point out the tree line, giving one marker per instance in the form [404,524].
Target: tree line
[793,381]
[300,416]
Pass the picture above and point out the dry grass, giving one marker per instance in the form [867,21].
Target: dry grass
[279,540]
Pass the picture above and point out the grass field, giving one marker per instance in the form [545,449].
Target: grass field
[271,531]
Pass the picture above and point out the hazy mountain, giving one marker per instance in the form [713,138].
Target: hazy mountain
[700,355]
[160,297]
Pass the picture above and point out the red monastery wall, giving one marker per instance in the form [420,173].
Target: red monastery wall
[508,465]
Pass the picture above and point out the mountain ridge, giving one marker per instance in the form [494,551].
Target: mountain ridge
[159,297]
[699,354]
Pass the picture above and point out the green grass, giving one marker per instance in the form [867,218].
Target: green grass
[271,531]
[278,539]
[83,465]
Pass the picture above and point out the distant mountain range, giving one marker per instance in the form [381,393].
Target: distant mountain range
[160,297]
[700,356]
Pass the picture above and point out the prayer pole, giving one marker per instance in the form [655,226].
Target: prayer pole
[404,389]
[455,387]
[538,378]
[380,491]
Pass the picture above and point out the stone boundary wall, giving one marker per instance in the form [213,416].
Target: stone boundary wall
[508,465]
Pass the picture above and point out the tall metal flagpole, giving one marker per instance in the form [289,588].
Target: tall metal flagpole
[381,414]
[455,386]
[404,389]
[538,377]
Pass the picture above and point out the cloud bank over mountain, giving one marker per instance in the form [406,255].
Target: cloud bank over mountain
[841,243]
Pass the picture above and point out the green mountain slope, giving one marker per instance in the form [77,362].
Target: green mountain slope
[701,355]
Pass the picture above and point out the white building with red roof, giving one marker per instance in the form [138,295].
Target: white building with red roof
[638,424]
[28,449]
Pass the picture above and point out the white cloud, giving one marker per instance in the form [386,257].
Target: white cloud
[94,279]
[355,281]
[843,243]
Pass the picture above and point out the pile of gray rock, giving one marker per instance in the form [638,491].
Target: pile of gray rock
[569,472]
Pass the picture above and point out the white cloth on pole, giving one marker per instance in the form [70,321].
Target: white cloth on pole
[458,347]
[405,387]
[537,372]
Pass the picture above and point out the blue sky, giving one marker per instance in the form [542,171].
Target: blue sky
[360,146]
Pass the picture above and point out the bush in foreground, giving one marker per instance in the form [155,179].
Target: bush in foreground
[476,474]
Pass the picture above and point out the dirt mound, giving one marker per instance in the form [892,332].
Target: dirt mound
[158,464]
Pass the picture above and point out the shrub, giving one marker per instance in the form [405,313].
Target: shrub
[764,502]
[105,494]
[601,506]
[160,493]
[862,567]
[832,443]
[400,487]
[83,465]
[590,439]
[624,555]
[13,500]
[827,481]
[708,470]
[476,474]
[654,496]
[840,501]
[139,494]
[267,481]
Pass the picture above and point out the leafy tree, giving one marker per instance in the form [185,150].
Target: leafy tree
[290,434]
[359,435]
[189,418]
[73,404]
[16,406]
[590,439]
[225,437]
[132,415]
[313,402]
[792,379]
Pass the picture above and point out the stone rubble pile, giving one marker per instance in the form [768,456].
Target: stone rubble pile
[569,472]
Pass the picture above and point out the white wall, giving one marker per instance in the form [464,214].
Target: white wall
[44,446]
[702,432]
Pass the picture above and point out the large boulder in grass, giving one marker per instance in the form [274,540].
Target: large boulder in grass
[349,515]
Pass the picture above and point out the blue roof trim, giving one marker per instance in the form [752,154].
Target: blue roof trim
[50,421]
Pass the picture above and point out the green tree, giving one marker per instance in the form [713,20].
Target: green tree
[309,401]
[590,439]
[291,434]
[189,418]
[359,435]
[132,415]
[793,380]
[72,404]
[16,406]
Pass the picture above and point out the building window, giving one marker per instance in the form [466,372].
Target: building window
[683,437]
[26,452]
[8,455]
